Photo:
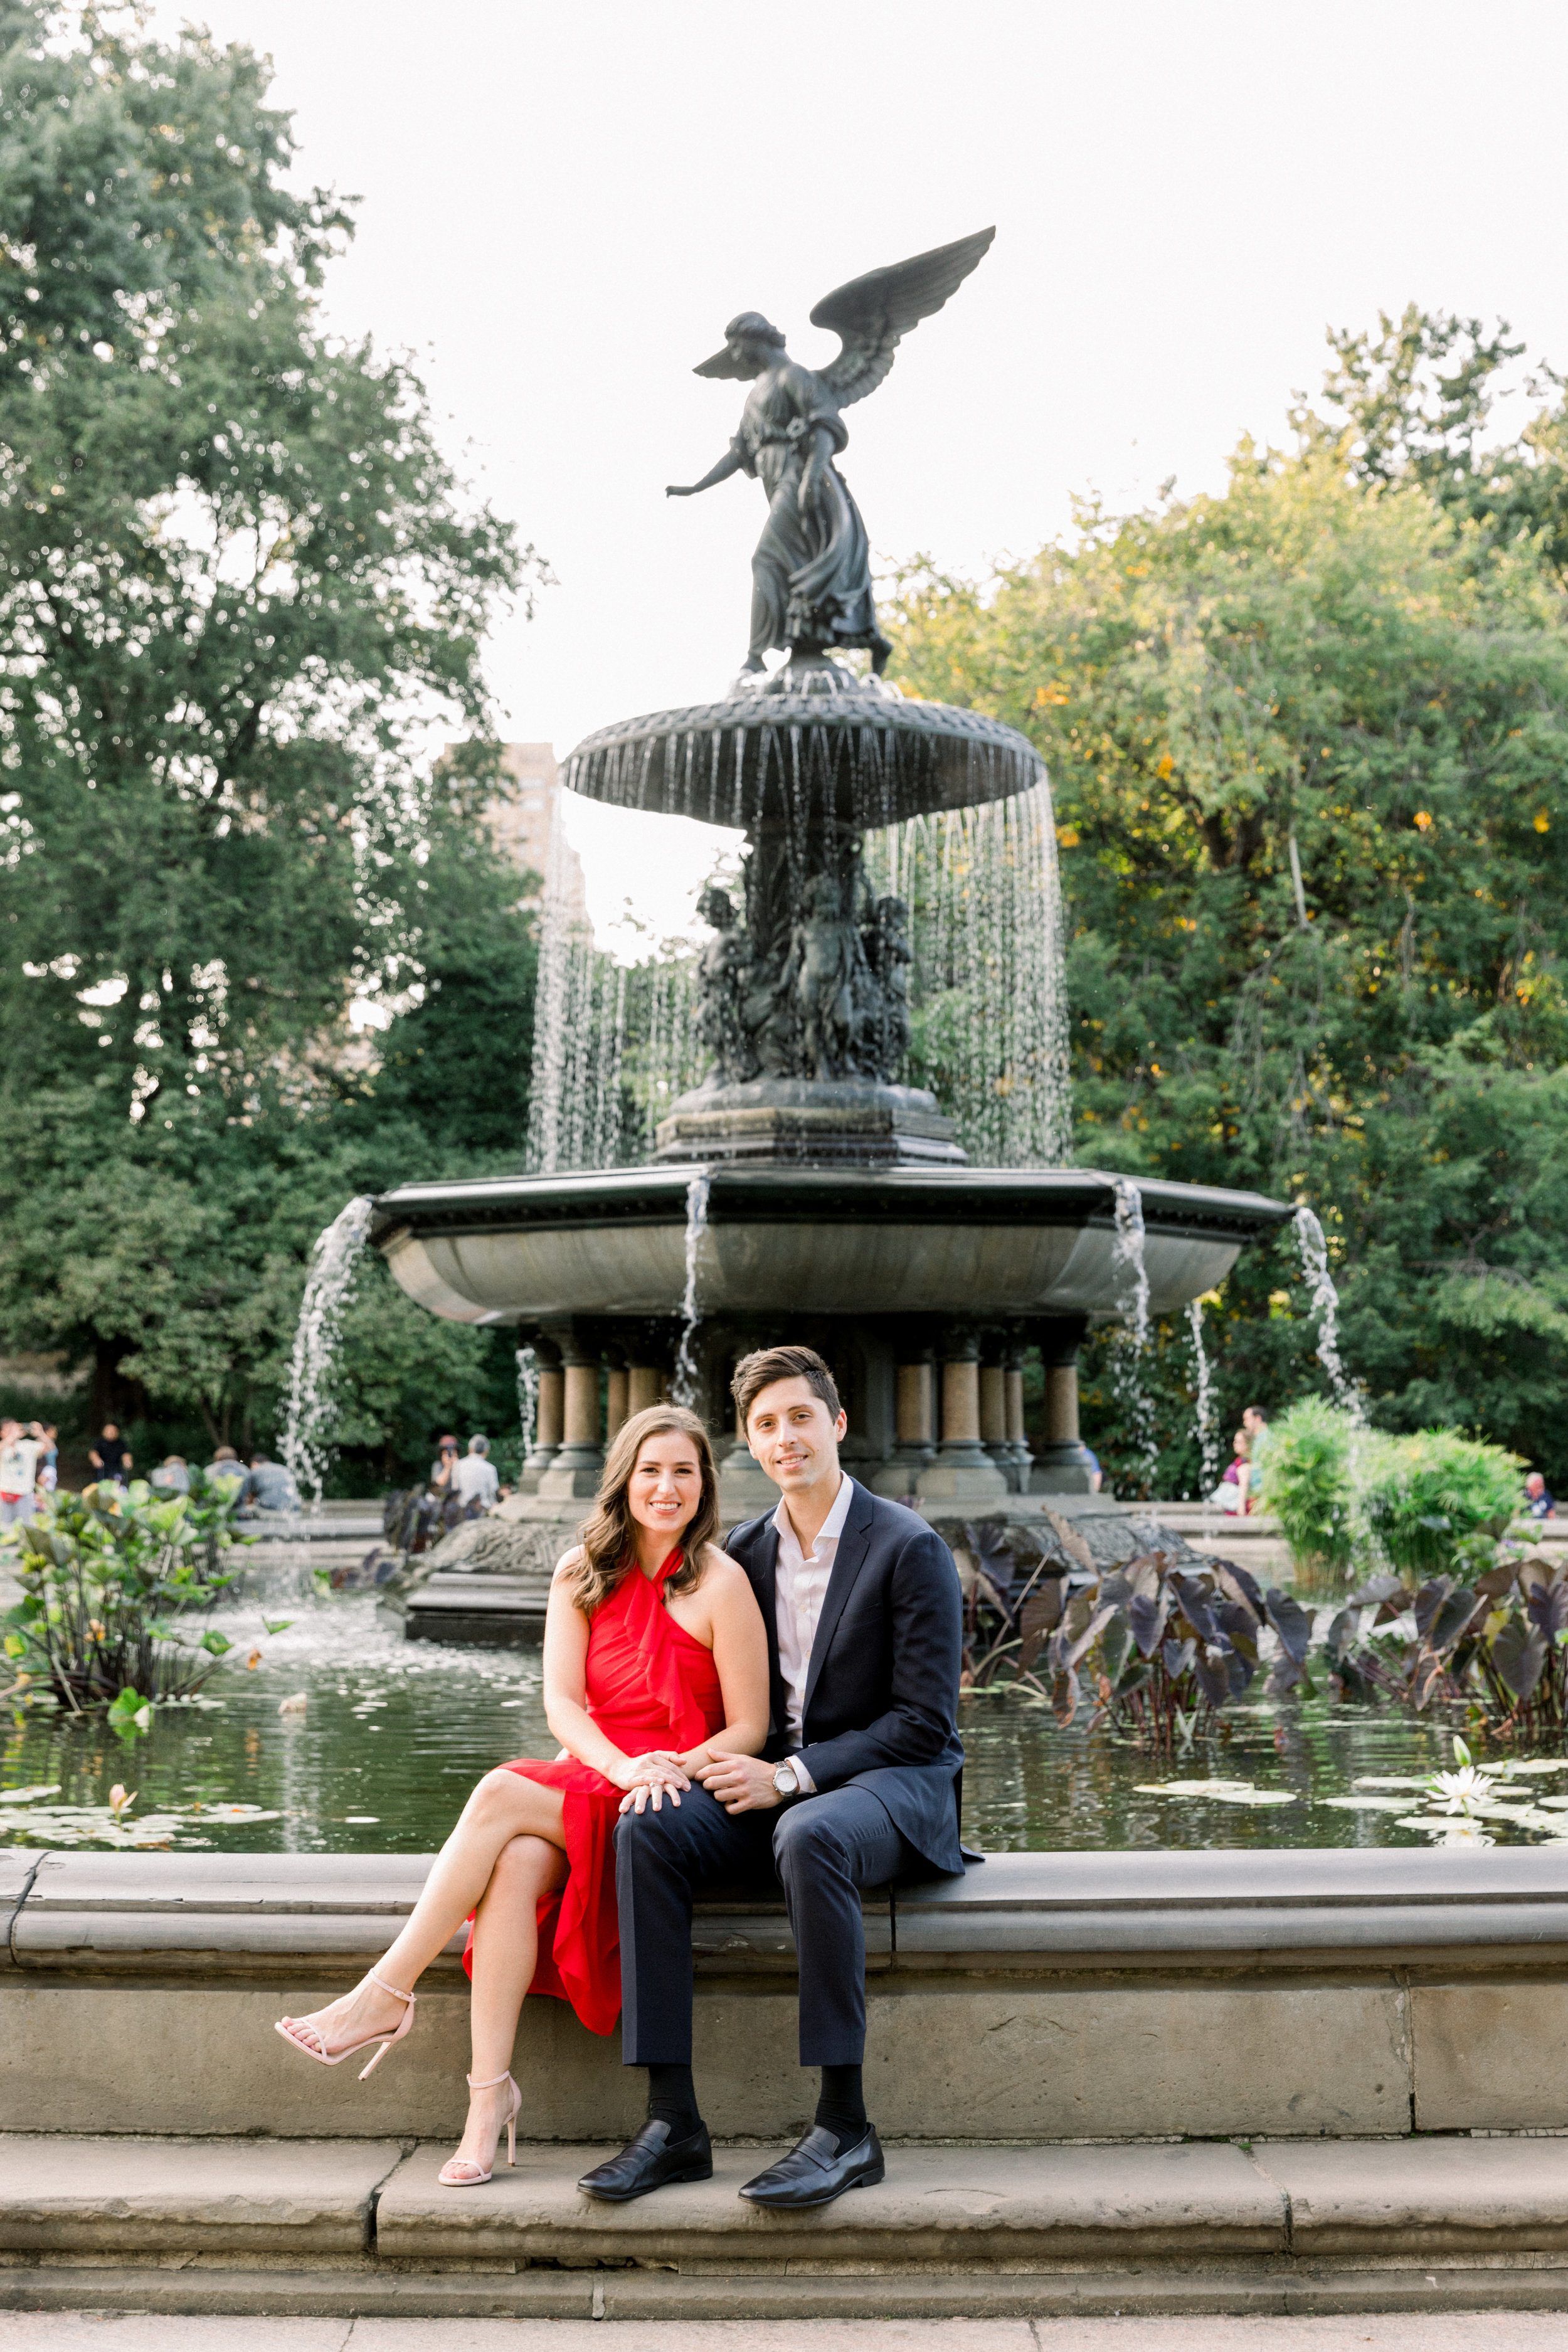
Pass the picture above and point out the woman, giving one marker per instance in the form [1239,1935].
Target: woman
[1234,1491]
[654,1657]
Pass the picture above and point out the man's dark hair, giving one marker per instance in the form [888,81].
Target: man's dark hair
[758,1370]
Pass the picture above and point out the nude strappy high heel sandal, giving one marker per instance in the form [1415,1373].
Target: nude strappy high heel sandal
[458,2171]
[385,2040]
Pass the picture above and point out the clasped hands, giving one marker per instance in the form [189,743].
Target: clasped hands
[743,1784]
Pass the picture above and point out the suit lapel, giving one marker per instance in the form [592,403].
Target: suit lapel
[848,1562]
[765,1563]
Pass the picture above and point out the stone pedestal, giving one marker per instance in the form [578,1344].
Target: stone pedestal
[548,1418]
[847,1123]
[1063,1466]
[963,1471]
[913,1420]
[576,1467]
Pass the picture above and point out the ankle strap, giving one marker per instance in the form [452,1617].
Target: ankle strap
[491,2084]
[392,1989]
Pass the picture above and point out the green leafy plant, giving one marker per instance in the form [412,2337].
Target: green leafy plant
[110,1580]
[1307,1481]
[1422,1496]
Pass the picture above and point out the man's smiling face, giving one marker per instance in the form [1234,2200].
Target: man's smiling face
[791,1433]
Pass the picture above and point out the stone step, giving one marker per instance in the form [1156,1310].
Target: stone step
[269,2226]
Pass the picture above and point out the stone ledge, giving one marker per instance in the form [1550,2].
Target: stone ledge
[1430,2196]
[939,2206]
[193,2196]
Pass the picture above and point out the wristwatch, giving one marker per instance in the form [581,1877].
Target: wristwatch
[786,1780]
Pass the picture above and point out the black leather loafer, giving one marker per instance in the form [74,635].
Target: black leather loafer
[814,2173]
[650,2161]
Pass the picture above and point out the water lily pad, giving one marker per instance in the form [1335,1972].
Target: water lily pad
[1219,1792]
[1364,1805]
[29,1796]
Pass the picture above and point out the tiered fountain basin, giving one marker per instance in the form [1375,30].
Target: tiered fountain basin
[783,1241]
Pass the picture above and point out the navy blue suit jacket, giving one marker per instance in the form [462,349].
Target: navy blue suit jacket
[881,1692]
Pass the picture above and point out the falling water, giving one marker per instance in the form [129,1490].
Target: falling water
[987,993]
[614,1046]
[1202,1419]
[1128,1348]
[683,1387]
[1314,1252]
[334,1263]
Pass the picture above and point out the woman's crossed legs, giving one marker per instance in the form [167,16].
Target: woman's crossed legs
[505,1851]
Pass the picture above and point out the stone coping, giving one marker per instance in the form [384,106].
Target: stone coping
[1048,1910]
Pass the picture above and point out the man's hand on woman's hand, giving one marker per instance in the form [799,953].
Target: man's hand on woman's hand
[652,1776]
[743,1784]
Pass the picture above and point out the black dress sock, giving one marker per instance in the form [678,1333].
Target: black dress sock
[841,2109]
[672,2100]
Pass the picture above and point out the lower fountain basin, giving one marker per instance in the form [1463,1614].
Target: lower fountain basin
[805,1241]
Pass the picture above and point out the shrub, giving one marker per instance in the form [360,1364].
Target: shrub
[106,1578]
[1423,1496]
[1307,1481]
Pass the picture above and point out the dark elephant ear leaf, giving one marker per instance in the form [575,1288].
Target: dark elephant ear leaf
[1115,1647]
[1065,1691]
[1194,1606]
[1519,1654]
[1148,1615]
[1496,1581]
[1240,1585]
[1548,1607]
[1290,1621]
[1241,1627]
[1340,1634]
[1452,1618]
[1213,1672]
[1178,1658]
[1283,1676]
[1429,1600]
[1241,1671]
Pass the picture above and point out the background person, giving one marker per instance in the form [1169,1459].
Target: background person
[18,1473]
[267,1488]
[1232,1493]
[1538,1503]
[171,1476]
[110,1457]
[226,1464]
[655,1662]
[476,1482]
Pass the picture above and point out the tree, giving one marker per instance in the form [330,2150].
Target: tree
[242,598]
[1322,673]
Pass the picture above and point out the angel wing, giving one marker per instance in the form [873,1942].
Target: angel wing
[872,313]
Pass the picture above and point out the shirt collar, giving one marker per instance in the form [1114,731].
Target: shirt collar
[832,1527]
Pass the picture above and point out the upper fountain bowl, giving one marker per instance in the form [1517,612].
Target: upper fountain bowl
[809,745]
[782,1242]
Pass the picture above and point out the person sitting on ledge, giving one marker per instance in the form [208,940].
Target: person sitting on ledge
[656,1666]
[858,1785]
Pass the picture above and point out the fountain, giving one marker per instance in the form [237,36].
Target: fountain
[804,1189]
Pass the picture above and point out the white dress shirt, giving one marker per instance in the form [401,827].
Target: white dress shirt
[800,1586]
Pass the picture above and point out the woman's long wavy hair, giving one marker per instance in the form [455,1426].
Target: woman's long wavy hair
[609,1535]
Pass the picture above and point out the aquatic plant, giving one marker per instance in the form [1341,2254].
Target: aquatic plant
[112,1580]
[1495,1641]
[1306,1478]
[1421,1495]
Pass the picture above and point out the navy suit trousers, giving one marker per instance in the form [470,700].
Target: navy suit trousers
[823,1850]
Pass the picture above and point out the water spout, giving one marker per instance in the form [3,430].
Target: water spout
[683,1387]
[1133,1339]
[334,1263]
[1325,1304]
[527,1398]
[1203,1418]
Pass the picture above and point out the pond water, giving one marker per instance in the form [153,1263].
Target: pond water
[395,1733]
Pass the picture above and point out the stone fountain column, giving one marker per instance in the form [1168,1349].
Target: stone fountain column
[993,1410]
[645,1386]
[547,1416]
[915,1424]
[617,1384]
[963,1471]
[575,1470]
[1017,1442]
[1062,1467]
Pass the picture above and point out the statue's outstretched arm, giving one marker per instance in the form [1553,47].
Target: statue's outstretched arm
[729,464]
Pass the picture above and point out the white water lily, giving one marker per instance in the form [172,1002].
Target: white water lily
[1460,1792]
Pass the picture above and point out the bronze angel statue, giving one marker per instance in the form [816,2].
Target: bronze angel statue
[811,575]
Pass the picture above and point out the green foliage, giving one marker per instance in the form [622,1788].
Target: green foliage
[240,592]
[106,1578]
[1306,1481]
[1339,661]
[1422,1496]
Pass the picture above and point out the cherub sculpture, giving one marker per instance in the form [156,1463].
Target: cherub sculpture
[723,976]
[811,575]
[826,973]
[886,1034]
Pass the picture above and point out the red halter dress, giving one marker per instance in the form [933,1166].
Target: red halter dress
[649,1683]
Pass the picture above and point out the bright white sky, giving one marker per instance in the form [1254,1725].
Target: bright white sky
[563,201]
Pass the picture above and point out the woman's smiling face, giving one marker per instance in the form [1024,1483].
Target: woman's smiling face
[666,1487]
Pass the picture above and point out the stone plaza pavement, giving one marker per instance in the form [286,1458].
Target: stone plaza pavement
[1445,2332]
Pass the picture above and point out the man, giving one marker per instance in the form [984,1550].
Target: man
[110,1457]
[224,1464]
[267,1488]
[475,1481]
[857,1785]
[1539,1504]
[18,1473]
